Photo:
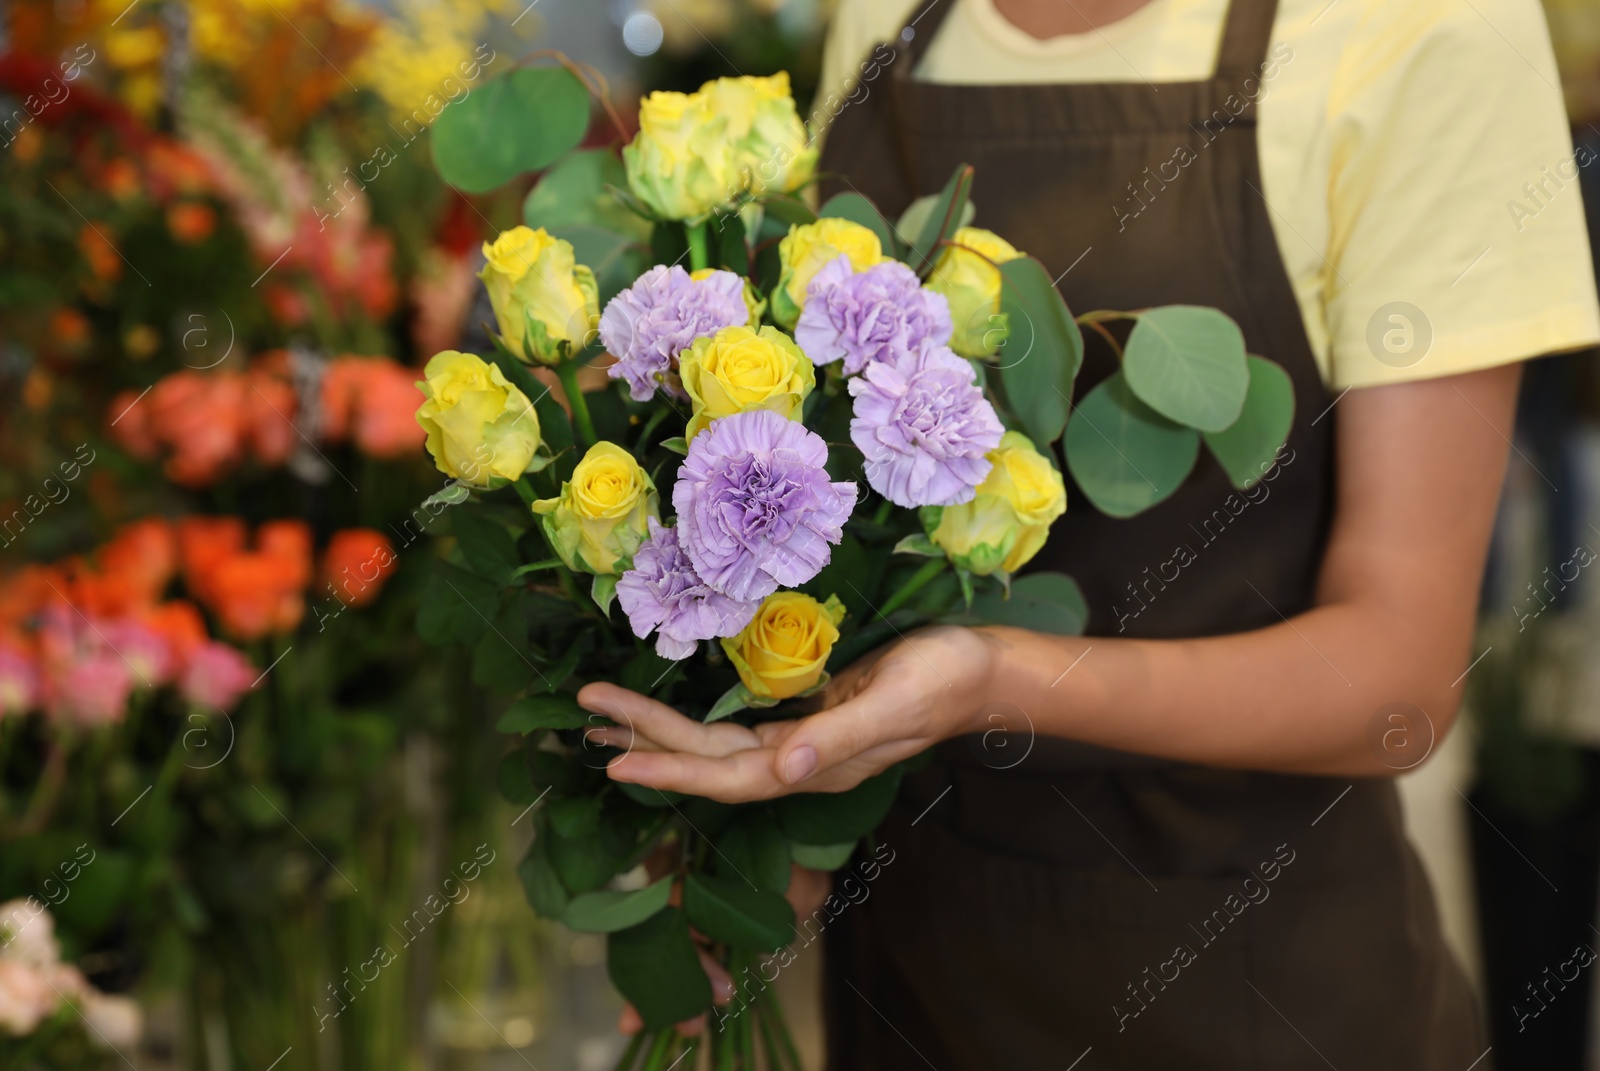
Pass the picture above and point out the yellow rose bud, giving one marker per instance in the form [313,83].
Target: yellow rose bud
[546,304]
[770,151]
[1009,518]
[966,275]
[480,428]
[783,650]
[679,164]
[601,517]
[807,248]
[738,369]
[753,301]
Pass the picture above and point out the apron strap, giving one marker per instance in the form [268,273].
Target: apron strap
[1245,37]
[920,28]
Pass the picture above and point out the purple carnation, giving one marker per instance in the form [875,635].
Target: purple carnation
[924,426]
[663,592]
[875,315]
[756,510]
[646,326]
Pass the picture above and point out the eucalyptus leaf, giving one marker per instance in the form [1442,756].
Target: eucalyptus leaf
[616,259]
[943,220]
[608,911]
[1039,602]
[1042,352]
[858,209]
[573,193]
[1125,456]
[1187,362]
[514,123]
[915,216]
[732,910]
[1248,447]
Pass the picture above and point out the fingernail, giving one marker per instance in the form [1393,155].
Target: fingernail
[801,764]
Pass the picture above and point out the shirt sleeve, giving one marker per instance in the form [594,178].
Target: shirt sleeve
[1456,228]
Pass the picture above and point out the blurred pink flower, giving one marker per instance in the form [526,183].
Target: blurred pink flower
[146,651]
[28,933]
[26,998]
[93,690]
[19,681]
[216,676]
[114,1022]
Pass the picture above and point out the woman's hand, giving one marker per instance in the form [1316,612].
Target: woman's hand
[887,707]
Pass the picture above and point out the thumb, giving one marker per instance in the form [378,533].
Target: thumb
[878,714]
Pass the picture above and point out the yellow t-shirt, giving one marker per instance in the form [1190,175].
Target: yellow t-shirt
[1412,154]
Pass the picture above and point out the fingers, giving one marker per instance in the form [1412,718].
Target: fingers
[884,712]
[663,727]
[737,778]
[721,981]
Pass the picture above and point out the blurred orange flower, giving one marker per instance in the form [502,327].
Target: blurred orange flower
[180,624]
[203,543]
[357,564]
[146,553]
[373,401]
[191,222]
[102,257]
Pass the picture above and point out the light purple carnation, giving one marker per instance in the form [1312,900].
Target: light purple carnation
[662,592]
[875,315]
[756,510]
[647,325]
[924,426]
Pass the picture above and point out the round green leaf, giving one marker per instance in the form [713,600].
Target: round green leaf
[615,258]
[755,848]
[1249,446]
[654,966]
[512,124]
[1188,364]
[608,911]
[1124,455]
[1042,352]
[540,883]
[1042,602]
[942,220]
[572,193]
[730,910]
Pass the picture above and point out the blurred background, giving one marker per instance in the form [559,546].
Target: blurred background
[247,819]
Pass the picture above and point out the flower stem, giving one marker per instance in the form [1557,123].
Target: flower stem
[567,372]
[699,254]
[919,580]
[630,1055]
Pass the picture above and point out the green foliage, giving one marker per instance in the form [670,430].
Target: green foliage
[1248,447]
[857,209]
[1043,602]
[608,911]
[1043,350]
[1188,364]
[943,219]
[835,817]
[1125,455]
[655,966]
[514,123]
[735,911]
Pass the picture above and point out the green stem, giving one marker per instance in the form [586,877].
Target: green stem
[631,1053]
[919,580]
[882,516]
[775,1007]
[567,372]
[525,490]
[699,254]
[769,1040]
[658,1052]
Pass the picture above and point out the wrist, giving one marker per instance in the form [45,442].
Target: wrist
[980,684]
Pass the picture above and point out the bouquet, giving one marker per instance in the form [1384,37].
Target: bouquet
[789,436]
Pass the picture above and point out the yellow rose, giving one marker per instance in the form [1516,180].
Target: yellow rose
[601,517]
[966,275]
[753,301]
[679,164]
[807,248]
[1009,518]
[769,148]
[738,369]
[783,650]
[547,304]
[480,428]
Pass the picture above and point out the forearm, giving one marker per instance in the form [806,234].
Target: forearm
[1295,697]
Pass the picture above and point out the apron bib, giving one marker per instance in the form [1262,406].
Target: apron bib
[1085,903]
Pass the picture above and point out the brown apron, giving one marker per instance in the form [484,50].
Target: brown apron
[1095,906]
